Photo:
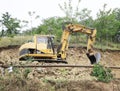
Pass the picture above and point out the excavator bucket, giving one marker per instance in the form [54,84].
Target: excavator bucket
[94,58]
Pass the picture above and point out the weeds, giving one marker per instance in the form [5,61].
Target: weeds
[19,83]
[102,73]
[15,70]
[26,72]
[64,71]
[44,80]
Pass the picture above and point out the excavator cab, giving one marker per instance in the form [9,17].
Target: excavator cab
[44,43]
[40,48]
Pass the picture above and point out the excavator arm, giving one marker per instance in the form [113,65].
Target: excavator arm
[71,28]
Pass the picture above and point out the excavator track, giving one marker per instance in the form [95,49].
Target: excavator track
[50,61]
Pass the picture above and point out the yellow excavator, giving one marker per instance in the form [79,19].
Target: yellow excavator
[42,47]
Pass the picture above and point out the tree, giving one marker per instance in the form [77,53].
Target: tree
[85,18]
[70,12]
[10,25]
[33,17]
[116,11]
[52,25]
[106,23]
[73,14]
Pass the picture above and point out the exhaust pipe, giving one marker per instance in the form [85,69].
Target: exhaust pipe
[94,58]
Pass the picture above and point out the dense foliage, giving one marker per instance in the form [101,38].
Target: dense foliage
[107,23]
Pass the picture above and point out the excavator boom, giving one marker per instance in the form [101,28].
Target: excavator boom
[71,28]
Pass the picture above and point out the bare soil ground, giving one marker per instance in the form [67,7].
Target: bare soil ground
[65,79]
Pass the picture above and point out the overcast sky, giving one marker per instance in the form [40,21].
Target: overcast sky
[48,8]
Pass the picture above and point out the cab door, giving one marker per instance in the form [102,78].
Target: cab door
[41,43]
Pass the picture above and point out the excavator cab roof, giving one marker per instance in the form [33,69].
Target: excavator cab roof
[51,36]
[43,38]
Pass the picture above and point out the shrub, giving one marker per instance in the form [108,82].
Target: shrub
[102,73]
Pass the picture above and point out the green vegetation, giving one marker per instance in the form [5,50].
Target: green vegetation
[102,73]
[26,72]
[80,40]
[64,71]
[107,24]
[10,25]
[16,40]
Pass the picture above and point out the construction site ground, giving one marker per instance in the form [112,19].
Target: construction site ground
[58,79]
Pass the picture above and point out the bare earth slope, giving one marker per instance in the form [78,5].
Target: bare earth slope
[69,79]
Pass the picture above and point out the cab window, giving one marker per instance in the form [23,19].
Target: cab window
[41,40]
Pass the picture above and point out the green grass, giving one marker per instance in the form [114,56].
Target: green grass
[80,41]
[17,40]
[108,45]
